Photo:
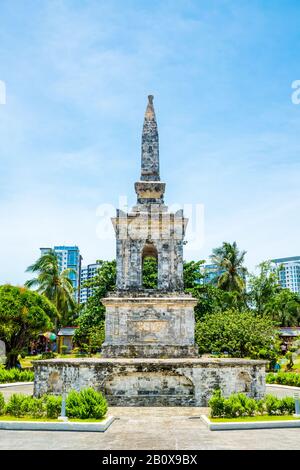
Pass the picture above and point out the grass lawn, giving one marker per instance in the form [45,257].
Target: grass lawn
[29,418]
[243,419]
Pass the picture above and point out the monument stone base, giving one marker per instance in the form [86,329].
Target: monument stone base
[152,382]
[149,324]
[149,350]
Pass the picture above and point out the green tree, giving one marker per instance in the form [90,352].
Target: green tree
[192,274]
[239,333]
[149,273]
[211,299]
[231,261]
[263,287]
[284,308]
[267,297]
[23,315]
[55,285]
[92,316]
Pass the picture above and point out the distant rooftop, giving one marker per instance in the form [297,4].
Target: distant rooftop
[286,260]
[67,331]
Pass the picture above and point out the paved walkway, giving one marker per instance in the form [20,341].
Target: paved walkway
[8,391]
[152,428]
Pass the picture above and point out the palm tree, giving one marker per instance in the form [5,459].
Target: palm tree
[55,285]
[230,260]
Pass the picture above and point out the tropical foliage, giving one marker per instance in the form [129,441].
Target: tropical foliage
[55,285]
[92,316]
[230,260]
[237,333]
[23,315]
[15,375]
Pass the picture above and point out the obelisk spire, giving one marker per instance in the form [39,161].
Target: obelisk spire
[150,145]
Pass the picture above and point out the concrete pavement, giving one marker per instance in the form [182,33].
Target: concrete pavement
[152,428]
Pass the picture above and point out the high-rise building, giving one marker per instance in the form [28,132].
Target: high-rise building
[211,273]
[289,274]
[87,273]
[69,257]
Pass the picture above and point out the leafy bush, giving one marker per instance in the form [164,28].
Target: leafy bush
[86,404]
[53,406]
[273,405]
[16,375]
[238,404]
[284,378]
[2,404]
[287,405]
[240,333]
[35,407]
[16,404]
[83,405]
[216,404]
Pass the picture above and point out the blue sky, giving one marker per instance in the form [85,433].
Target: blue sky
[77,75]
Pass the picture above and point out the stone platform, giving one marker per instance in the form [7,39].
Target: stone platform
[149,324]
[152,382]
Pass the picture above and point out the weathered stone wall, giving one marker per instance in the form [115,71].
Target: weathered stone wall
[152,382]
[143,324]
[162,230]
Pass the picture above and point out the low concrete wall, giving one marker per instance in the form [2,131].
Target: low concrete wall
[231,426]
[152,382]
[57,426]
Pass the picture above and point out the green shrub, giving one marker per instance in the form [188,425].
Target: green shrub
[216,404]
[238,404]
[251,406]
[287,405]
[64,349]
[87,403]
[16,375]
[284,378]
[272,405]
[238,332]
[53,406]
[15,404]
[233,407]
[35,407]
[2,404]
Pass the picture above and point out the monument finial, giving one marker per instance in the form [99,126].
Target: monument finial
[150,145]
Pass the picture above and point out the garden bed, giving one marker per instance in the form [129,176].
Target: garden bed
[251,422]
[42,424]
[15,375]
[291,379]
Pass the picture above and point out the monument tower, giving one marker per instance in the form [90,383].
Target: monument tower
[149,357]
[149,322]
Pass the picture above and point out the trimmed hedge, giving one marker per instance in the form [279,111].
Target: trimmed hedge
[16,375]
[239,404]
[87,403]
[83,405]
[284,378]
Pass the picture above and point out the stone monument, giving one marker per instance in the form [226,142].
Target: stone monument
[141,322]
[149,357]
